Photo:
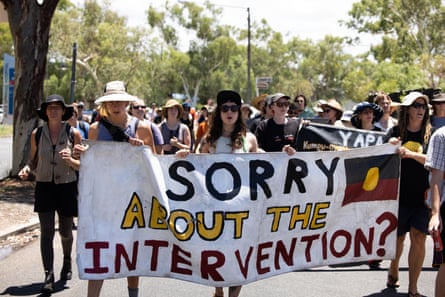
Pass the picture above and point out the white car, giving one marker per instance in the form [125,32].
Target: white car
[2,115]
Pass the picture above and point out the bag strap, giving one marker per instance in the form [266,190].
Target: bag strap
[116,133]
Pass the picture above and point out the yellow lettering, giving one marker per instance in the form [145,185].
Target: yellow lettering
[317,215]
[181,232]
[300,217]
[276,212]
[134,214]
[158,217]
[238,218]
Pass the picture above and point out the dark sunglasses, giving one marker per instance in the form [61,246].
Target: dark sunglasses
[232,108]
[282,104]
[139,106]
[326,110]
[418,105]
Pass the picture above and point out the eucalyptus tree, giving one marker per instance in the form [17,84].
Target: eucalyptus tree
[29,22]
[413,31]
[210,46]
[107,49]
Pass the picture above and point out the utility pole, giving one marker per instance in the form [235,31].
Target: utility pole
[73,73]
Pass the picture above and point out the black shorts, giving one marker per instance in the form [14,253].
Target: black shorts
[56,197]
[416,217]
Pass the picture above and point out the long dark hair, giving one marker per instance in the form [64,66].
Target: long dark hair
[404,121]
[216,129]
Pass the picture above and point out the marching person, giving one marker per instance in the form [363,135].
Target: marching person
[176,135]
[413,133]
[435,162]
[137,109]
[228,134]
[56,183]
[278,133]
[116,124]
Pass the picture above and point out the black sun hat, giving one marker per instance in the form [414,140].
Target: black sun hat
[54,98]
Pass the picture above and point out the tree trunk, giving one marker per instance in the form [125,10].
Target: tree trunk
[29,24]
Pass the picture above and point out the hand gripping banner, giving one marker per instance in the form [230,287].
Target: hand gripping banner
[229,219]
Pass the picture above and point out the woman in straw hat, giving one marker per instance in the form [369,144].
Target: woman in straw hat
[116,124]
[176,134]
[56,183]
[331,111]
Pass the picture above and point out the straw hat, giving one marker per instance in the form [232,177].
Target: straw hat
[115,91]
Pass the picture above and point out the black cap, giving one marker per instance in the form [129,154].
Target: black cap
[228,96]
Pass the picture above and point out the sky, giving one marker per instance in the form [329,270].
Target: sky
[311,19]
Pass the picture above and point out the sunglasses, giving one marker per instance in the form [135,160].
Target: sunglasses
[418,105]
[139,106]
[282,104]
[327,110]
[232,108]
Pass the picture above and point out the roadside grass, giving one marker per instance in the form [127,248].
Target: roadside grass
[5,130]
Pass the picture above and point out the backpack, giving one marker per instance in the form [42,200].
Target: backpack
[83,128]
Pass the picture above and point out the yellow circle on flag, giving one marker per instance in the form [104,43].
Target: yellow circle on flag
[372,179]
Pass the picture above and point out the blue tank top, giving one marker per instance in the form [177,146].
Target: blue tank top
[105,135]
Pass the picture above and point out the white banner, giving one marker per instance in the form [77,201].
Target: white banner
[230,219]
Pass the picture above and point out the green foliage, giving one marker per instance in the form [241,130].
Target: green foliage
[184,49]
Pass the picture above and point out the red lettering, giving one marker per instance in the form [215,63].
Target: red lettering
[244,268]
[155,244]
[285,255]
[178,259]
[344,251]
[324,245]
[122,253]
[360,239]
[261,257]
[309,240]
[96,247]
[210,270]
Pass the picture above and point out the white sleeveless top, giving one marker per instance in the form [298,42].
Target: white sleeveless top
[223,146]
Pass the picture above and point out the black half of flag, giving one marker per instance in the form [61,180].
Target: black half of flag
[373,178]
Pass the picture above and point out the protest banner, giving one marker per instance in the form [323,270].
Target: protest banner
[229,219]
[324,137]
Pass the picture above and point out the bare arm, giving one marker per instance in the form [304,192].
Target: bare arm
[30,165]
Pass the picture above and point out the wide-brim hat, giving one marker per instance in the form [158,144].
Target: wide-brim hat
[54,98]
[439,97]
[409,99]
[257,100]
[115,91]
[357,109]
[228,96]
[172,103]
[335,105]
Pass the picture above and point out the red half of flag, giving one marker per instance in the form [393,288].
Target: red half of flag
[374,178]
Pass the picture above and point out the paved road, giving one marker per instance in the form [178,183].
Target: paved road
[21,275]
[5,156]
